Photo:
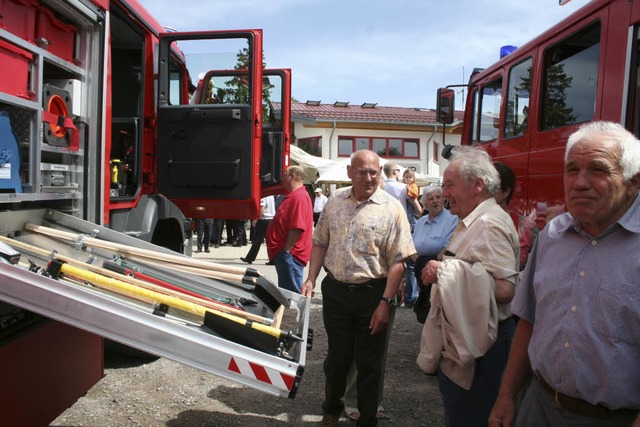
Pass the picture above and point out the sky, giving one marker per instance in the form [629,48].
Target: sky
[394,53]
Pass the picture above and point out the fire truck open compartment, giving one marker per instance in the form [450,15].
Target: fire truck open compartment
[48,109]
[78,146]
[242,352]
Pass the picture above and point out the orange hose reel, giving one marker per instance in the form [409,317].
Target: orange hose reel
[56,104]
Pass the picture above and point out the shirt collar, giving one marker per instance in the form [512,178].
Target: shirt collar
[437,219]
[630,220]
[479,210]
[376,197]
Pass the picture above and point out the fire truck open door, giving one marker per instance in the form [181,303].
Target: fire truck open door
[276,113]
[209,152]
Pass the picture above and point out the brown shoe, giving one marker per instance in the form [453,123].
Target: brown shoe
[329,420]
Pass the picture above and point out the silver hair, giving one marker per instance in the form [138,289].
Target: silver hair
[428,190]
[475,163]
[431,188]
[628,155]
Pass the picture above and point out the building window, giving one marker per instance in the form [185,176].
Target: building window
[345,147]
[311,145]
[408,148]
[436,151]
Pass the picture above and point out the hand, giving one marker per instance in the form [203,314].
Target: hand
[380,319]
[503,412]
[430,272]
[307,288]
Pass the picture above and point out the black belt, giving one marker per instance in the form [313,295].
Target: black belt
[582,407]
[369,284]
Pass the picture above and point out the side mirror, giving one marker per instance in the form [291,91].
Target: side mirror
[447,150]
[445,105]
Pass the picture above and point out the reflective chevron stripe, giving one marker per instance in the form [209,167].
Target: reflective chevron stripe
[266,375]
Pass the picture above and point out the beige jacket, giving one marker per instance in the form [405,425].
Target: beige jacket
[462,324]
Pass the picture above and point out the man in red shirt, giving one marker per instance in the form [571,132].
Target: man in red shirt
[289,233]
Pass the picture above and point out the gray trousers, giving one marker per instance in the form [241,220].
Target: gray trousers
[539,409]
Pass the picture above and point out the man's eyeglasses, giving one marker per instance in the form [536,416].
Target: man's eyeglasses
[397,170]
[371,172]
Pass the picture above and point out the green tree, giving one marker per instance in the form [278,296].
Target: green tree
[556,111]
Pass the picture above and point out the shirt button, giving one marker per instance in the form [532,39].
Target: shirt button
[594,242]
[574,309]
[567,345]
[582,273]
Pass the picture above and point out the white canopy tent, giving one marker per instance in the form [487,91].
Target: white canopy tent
[335,171]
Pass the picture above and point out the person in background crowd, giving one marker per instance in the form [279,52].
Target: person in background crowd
[361,239]
[278,200]
[399,191]
[318,204]
[472,290]
[216,234]
[579,300]
[230,226]
[203,228]
[267,212]
[391,184]
[289,233]
[526,225]
[431,235]
[240,232]
[414,209]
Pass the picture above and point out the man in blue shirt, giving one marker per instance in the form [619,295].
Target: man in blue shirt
[579,297]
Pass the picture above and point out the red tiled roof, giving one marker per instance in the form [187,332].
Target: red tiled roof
[357,113]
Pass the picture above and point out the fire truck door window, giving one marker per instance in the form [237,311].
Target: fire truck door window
[516,118]
[202,56]
[489,120]
[570,79]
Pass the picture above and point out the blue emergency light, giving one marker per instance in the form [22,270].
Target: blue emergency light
[506,50]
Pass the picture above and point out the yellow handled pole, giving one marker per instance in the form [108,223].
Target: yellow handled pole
[118,286]
[43,252]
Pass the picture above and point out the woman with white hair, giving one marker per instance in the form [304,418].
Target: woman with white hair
[431,235]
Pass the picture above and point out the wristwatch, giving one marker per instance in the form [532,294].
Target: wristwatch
[389,301]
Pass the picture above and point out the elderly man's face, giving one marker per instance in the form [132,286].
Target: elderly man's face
[364,172]
[462,195]
[595,190]
[434,203]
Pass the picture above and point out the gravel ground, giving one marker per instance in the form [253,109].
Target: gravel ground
[159,392]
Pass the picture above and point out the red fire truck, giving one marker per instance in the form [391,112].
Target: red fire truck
[104,150]
[523,108]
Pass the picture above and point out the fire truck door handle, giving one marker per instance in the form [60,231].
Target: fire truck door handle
[220,114]
[180,134]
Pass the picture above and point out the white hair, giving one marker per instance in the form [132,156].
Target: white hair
[476,164]
[428,190]
[628,155]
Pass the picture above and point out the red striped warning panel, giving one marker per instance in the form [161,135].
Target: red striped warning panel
[261,373]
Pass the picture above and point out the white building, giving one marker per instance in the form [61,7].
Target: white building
[409,136]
